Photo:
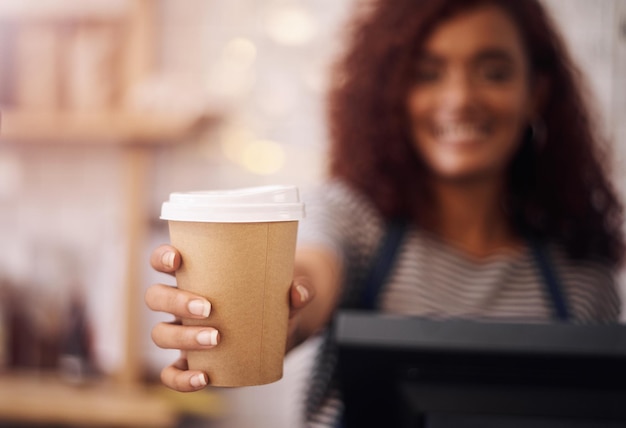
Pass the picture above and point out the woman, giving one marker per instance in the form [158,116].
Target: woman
[465,120]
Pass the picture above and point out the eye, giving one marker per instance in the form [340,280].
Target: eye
[496,73]
[426,73]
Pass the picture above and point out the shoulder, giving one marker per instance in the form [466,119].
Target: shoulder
[339,195]
[340,217]
[591,286]
[338,202]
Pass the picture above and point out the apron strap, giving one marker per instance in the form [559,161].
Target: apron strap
[551,281]
[383,262]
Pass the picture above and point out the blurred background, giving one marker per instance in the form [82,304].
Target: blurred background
[110,105]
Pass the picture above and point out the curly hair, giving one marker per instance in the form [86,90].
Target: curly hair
[559,192]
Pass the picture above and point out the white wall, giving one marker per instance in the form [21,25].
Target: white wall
[596,33]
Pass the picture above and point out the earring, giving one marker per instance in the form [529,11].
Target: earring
[538,133]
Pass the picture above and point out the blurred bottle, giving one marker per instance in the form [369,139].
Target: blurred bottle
[76,362]
[20,331]
[4,339]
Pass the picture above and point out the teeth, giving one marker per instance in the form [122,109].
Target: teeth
[459,131]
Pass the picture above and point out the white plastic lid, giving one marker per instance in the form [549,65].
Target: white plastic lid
[247,205]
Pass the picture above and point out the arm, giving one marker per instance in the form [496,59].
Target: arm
[319,270]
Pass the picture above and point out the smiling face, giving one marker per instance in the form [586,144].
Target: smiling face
[472,98]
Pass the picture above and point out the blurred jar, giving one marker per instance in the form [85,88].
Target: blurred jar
[4,339]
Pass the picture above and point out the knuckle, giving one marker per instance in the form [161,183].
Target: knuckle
[155,257]
[174,336]
[157,335]
[167,299]
[149,297]
[164,376]
[181,382]
[177,302]
[169,379]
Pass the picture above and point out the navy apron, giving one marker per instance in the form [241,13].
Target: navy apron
[390,245]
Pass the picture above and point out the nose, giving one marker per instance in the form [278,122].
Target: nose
[458,93]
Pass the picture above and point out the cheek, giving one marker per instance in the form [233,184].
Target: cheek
[513,109]
[414,106]
[511,117]
[422,108]
[417,111]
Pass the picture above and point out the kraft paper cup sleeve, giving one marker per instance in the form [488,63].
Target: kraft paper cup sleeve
[244,267]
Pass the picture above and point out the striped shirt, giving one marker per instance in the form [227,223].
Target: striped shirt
[430,278]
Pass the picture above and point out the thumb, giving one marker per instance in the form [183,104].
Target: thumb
[301,293]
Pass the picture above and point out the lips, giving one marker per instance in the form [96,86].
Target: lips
[460,132]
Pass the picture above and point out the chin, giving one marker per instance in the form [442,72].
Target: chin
[466,174]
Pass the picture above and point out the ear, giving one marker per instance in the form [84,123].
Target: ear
[539,91]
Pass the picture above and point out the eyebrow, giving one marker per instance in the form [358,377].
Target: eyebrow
[496,54]
[487,54]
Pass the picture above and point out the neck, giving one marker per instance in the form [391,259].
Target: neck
[470,215]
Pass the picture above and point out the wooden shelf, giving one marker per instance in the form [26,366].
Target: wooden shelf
[110,127]
[38,398]
[62,10]
[59,54]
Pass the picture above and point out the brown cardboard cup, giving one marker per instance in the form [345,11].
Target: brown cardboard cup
[237,250]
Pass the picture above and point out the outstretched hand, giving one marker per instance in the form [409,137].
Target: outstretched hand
[184,304]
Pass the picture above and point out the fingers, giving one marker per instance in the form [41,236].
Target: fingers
[176,336]
[180,303]
[178,377]
[301,293]
[165,258]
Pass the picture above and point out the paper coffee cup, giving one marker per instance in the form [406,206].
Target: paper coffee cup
[237,249]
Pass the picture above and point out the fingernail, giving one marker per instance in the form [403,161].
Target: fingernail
[199,307]
[198,381]
[303,292]
[168,259]
[207,337]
